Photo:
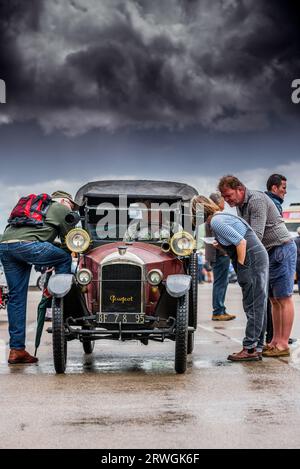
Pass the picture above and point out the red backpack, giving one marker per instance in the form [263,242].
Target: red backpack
[30,210]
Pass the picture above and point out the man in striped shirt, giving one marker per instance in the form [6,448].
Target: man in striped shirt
[263,217]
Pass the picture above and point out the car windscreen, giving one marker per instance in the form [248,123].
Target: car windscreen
[136,222]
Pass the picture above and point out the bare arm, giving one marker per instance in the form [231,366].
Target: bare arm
[241,251]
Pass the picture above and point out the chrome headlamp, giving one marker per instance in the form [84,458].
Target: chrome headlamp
[78,240]
[84,276]
[154,277]
[182,243]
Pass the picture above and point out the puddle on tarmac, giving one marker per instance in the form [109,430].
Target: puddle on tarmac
[256,414]
[100,366]
[117,365]
[165,418]
[210,363]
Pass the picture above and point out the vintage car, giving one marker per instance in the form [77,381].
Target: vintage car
[137,269]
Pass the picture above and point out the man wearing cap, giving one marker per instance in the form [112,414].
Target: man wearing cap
[24,246]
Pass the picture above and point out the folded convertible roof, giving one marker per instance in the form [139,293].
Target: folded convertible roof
[135,188]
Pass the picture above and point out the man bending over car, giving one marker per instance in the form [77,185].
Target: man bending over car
[34,224]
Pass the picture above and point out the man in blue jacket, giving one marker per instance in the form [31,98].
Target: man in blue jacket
[277,189]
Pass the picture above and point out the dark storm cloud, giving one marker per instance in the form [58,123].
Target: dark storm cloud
[225,65]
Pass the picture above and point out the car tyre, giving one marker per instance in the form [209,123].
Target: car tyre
[181,334]
[59,341]
[193,294]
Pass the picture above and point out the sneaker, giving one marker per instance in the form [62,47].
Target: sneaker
[245,356]
[223,317]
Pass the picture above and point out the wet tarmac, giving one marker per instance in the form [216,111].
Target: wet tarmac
[127,395]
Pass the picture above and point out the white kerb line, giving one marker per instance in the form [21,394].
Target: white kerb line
[210,329]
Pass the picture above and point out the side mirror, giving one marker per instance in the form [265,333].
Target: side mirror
[72,218]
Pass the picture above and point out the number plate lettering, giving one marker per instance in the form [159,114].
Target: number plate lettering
[124,318]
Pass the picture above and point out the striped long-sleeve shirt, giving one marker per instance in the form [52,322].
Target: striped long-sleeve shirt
[262,215]
[228,229]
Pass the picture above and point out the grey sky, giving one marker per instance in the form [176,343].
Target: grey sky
[223,65]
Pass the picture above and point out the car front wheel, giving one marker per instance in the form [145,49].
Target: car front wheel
[181,334]
[193,295]
[59,341]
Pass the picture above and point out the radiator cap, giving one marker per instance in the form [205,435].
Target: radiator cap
[122,250]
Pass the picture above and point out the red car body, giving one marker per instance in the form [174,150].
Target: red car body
[153,258]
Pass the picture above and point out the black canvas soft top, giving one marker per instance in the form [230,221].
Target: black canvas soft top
[135,188]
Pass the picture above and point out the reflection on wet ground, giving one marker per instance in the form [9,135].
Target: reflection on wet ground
[165,418]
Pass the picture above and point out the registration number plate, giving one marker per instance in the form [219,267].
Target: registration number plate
[124,318]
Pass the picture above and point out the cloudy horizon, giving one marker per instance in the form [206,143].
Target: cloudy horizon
[253,178]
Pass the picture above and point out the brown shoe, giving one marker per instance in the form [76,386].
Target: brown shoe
[275,352]
[245,356]
[223,317]
[20,356]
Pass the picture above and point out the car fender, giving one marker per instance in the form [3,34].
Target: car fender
[60,284]
[178,285]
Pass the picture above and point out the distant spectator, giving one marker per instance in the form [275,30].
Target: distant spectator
[200,267]
[277,189]
[208,272]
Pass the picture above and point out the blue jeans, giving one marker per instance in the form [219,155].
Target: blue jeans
[221,272]
[200,273]
[17,260]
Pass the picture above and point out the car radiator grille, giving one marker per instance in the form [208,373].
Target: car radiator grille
[121,288]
